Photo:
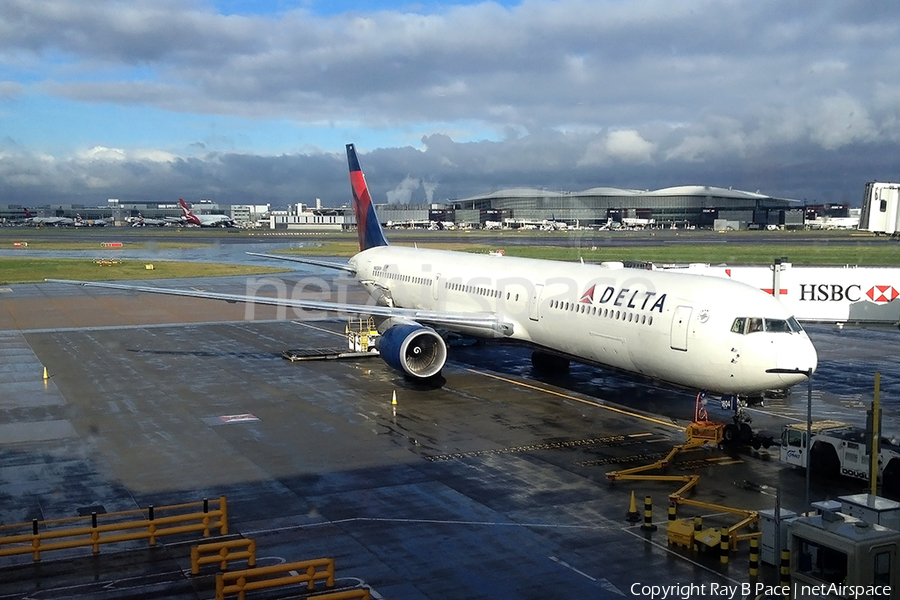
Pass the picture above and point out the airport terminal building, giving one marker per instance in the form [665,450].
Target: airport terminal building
[683,206]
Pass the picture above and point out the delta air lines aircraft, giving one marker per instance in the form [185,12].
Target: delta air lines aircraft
[701,333]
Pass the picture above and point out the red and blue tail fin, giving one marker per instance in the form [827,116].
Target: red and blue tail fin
[367,226]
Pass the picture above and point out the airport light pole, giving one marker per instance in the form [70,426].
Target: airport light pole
[808,431]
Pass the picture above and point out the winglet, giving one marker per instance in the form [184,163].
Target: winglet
[367,226]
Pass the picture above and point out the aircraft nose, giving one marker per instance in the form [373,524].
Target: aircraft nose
[796,361]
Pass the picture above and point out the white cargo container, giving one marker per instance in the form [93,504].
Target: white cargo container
[881,208]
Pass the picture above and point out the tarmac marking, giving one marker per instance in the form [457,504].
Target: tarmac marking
[615,460]
[707,462]
[652,457]
[592,527]
[577,399]
[613,441]
[603,583]
[668,550]
[563,563]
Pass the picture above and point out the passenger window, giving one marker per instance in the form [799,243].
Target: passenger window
[738,325]
[754,324]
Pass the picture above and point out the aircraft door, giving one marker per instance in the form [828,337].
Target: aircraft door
[679,333]
[435,286]
[534,306]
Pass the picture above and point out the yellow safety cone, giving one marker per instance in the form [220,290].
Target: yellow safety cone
[45,373]
[632,516]
[394,398]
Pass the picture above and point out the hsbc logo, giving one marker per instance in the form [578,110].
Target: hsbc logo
[832,292]
[882,293]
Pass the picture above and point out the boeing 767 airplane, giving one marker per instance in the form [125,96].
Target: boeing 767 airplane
[696,332]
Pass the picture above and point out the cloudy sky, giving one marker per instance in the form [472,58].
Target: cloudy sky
[253,101]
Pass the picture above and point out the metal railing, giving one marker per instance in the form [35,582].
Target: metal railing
[222,552]
[107,528]
[308,571]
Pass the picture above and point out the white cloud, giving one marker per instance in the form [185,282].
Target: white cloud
[102,153]
[839,121]
[629,146]
[619,146]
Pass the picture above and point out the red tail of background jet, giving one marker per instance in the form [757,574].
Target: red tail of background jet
[188,215]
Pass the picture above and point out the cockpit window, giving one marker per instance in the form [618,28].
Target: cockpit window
[745,325]
[777,326]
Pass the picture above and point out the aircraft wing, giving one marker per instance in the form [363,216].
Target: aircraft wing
[309,261]
[487,322]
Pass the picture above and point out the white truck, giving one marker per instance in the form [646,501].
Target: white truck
[840,449]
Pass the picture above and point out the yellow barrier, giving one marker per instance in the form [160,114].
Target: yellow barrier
[101,528]
[221,552]
[258,579]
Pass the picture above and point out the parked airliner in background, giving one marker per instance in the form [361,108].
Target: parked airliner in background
[702,333]
[142,221]
[56,221]
[204,220]
[79,222]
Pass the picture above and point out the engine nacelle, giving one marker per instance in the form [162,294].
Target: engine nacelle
[414,349]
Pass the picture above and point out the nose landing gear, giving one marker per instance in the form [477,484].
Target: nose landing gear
[737,433]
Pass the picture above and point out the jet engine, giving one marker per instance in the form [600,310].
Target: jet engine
[414,349]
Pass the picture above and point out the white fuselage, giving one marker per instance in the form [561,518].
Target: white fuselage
[672,327]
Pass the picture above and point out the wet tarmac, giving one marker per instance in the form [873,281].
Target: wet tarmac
[490,486]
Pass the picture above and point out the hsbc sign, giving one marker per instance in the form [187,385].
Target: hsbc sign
[823,294]
[835,292]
